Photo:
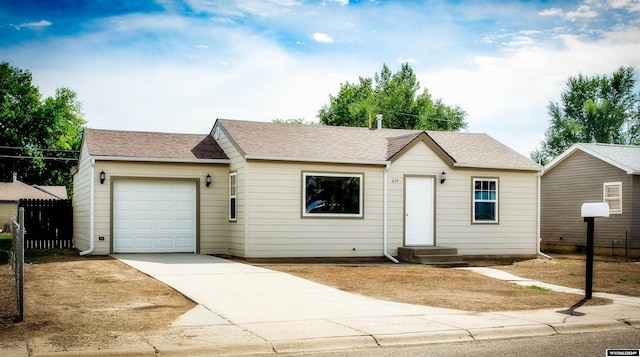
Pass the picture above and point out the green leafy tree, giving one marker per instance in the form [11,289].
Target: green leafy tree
[397,97]
[297,121]
[40,138]
[598,109]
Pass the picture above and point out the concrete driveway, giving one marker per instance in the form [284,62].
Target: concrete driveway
[256,310]
[239,293]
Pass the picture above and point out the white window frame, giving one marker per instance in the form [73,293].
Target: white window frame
[496,200]
[306,214]
[233,196]
[607,198]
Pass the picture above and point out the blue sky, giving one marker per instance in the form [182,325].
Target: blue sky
[176,66]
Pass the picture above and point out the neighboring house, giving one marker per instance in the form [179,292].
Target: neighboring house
[12,192]
[592,173]
[284,190]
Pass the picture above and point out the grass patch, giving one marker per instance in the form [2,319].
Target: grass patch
[532,287]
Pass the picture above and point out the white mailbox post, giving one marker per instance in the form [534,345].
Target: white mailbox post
[589,212]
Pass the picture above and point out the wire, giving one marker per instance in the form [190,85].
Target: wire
[25,148]
[38,157]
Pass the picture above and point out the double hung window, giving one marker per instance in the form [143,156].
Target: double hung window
[613,196]
[485,200]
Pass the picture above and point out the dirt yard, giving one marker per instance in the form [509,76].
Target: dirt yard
[464,290]
[74,301]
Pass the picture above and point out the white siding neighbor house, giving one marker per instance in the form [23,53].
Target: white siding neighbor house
[285,190]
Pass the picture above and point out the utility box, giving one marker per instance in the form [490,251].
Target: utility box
[599,209]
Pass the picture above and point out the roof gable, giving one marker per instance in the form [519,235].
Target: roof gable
[294,142]
[624,157]
[151,145]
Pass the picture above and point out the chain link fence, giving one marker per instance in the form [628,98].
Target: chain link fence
[18,261]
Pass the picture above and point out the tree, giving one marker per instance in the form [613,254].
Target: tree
[395,96]
[40,138]
[596,109]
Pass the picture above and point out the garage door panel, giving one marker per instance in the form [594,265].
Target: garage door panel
[154,216]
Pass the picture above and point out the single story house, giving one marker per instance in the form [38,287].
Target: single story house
[267,190]
[592,173]
[12,192]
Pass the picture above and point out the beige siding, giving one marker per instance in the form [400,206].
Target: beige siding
[82,201]
[213,209]
[514,234]
[237,229]
[8,211]
[576,180]
[276,225]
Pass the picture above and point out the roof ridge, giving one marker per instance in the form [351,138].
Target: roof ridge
[143,132]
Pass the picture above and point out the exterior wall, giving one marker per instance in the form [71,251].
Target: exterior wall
[516,232]
[82,200]
[8,211]
[576,180]
[213,210]
[633,235]
[276,227]
[237,230]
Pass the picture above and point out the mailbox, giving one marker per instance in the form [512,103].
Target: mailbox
[589,212]
[599,209]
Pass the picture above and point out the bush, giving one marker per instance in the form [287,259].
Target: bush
[6,242]
[4,257]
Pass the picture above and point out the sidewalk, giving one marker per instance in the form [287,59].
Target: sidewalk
[243,309]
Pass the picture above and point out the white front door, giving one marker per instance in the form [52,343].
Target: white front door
[419,211]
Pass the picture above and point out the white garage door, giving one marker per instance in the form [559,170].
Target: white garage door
[154,216]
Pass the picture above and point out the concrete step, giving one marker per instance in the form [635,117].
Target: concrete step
[431,255]
[430,250]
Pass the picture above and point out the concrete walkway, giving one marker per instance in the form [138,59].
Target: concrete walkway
[244,309]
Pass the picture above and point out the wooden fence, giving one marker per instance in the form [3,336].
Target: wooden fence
[48,224]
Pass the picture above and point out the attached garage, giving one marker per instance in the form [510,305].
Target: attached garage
[154,216]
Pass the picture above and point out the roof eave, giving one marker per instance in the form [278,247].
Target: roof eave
[159,159]
[496,167]
[316,160]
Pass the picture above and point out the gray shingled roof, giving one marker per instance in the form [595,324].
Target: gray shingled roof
[347,144]
[149,145]
[626,157]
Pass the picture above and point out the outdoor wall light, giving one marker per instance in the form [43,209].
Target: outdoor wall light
[207,180]
[103,177]
[443,177]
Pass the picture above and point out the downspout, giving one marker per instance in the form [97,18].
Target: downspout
[538,219]
[385,235]
[91,211]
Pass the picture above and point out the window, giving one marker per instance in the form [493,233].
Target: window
[332,195]
[485,200]
[612,194]
[232,196]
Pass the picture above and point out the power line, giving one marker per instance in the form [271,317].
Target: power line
[40,149]
[38,157]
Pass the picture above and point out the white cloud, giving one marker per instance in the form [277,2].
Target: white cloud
[583,12]
[407,60]
[520,41]
[554,11]
[33,25]
[507,96]
[617,4]
[322,37]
